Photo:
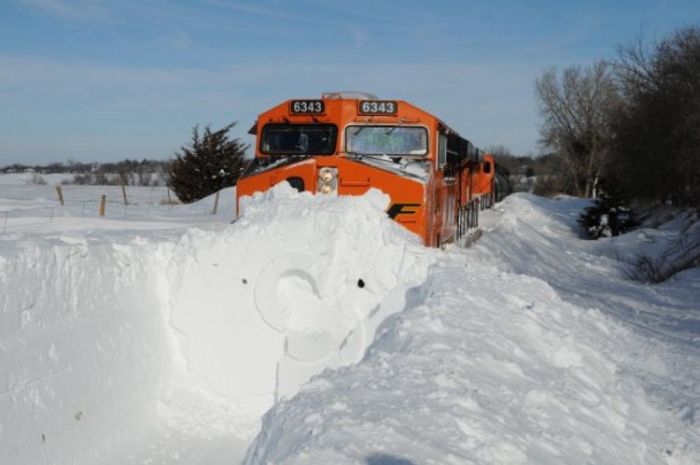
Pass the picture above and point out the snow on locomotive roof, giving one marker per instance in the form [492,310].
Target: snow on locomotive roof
[348,95]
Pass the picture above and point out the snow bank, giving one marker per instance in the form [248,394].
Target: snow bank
[530,347]
[540,238]
[490,364]
[81,351]
[107,336]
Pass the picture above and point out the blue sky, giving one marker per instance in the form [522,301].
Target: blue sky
[95,80]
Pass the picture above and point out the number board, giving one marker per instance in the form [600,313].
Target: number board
[307,107]
[377,107]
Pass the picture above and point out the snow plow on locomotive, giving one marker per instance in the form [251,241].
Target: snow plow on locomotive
[347,143]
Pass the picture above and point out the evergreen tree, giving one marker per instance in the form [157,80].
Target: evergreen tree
[209,163]
[607,216]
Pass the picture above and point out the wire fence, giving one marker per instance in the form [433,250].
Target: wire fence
[17,220]
[141,203]
[32,218]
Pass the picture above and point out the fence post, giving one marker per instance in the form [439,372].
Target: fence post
[59,191]
[216,203]
[124,193]
[103,201]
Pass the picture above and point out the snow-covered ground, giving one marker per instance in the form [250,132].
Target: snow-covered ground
[34,208]
[163,334]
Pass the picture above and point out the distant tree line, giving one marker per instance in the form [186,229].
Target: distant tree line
[628,128]
[127,172]
[212,160]
[528,173]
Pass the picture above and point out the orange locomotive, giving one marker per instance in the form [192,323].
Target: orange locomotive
[347,143]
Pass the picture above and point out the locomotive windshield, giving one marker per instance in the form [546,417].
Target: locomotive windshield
[298,139]
[387,140]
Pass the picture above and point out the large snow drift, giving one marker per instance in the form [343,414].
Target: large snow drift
[106,335]
[136,340]
[297,285]
[492,365]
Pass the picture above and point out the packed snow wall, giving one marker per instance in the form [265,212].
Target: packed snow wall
[82,348]
[297,285]
[101,333]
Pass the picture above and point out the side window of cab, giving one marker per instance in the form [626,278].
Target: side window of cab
[442,151]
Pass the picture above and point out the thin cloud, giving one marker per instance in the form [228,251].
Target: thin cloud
[267,12]
[78,10]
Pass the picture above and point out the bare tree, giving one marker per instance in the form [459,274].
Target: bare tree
[576,107]
[657,143]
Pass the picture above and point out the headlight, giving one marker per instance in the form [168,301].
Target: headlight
[327,180]
[327,175]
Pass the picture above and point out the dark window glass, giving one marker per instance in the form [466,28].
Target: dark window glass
[487,167]
[298,139]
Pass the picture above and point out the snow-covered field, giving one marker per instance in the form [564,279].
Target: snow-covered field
[163,334]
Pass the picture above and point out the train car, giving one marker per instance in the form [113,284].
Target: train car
[347,143]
